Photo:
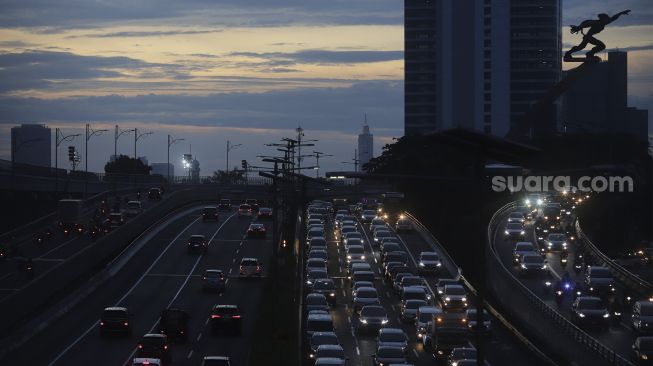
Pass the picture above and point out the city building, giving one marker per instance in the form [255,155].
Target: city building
[31,144]
[478,65]
[195,171]
[598,101]
[365,145]
[162,169]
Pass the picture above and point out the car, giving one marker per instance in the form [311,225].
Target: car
[346,229]
[329,361]
[377,221]
[515,230]
[251,267]
[454,298]
[213,280]
[388,356]
[210,213]
[330,351]
[471,321]
[145,361]
[392,337]
[253,204]
[224,204]
[403,225]
[642,350]
[392,268]
[197,243]
[154,194]
[372,318]
[115,320]
[516,217]
[245,210]
[316,301]
[315,263]
[425,314]
[442,282]
[411,280]
[264,213]
[532,264]
[590,310]
[365,296]
[116,219]
[599,280]
[642,316]
[353,238]
[313,275]
[318,323]
[153,346]
[378,235]
[134,208]
[461,353]
[367,216]
[318,339]
[416,293]
[357,265]
[256,230]
[319,254]
[314,232]
[317,243]
[326,287]
[395,256]
[429,262]
[521,248]
[362,276]
[396,281]
[174,324]
[215,361]
[226,318]
[409,309]
[555,242]
[391,246]
[355,252]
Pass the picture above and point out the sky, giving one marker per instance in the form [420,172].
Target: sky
[247,71]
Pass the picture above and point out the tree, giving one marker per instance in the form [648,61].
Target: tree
[124,165]
[227,177]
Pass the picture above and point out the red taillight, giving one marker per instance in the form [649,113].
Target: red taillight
[215,316]
[146,362]
[125,323]
[140,346]
[101,323]
[258,268]
[165,347]
[241,268]
[236,316]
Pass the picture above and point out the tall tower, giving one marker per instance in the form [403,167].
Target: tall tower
[477,64]
[365,145]
[31,144]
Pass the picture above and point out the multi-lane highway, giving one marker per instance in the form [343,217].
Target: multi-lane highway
[502,347]
[619,337]
[160,275]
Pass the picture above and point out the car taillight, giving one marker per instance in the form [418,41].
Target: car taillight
[140,346]
[241,268]
[236,316]
[125,323]
[101,323]
[165,347]
[258,268]
[215,316]
[203,277]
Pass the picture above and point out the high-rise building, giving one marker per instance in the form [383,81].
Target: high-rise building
[365,145]
[162,169]
[477,64]
[597,102]
[31,144]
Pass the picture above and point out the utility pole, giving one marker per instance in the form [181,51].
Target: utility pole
[117,135]
[89,133]
[57,142]
[170,142]
[229,148]
[137,137]
[318,154]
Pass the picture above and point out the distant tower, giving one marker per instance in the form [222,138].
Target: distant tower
[31,144]
[365,145]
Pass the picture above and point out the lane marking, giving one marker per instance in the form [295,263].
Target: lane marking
[168,275]
[189,354]
[199,336]
[358,351]
[57,247]
[94,325]
[415,353]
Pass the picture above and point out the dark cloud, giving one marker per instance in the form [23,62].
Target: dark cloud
[317,108]
[16,44]
[42,69]
[145,34]
[327,57]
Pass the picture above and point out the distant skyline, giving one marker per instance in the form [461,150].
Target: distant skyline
[247,71]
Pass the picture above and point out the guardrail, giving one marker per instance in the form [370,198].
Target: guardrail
[435,244]
[501,280]
[627,278]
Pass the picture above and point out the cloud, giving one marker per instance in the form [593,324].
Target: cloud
[336,109]
[327,57]
[125,34]
[16,44]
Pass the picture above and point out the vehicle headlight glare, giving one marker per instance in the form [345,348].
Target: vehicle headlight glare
[364,321]
[581,315]
[606,315]
[421,264]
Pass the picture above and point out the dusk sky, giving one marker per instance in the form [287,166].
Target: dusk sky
[249,71]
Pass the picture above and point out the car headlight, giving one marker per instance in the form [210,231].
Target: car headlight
[523,266]
[527,202]
[507,233]
[539,202]
[349,257]
[581,315]
[549,244]
[447,299]
[309,282]
[564,244]
[606,315]
[644,357]
[591,288]
[439,264]
[421,264]
[428,297]
[332,294]
[522,232]
[363,257]
[544,266]
[464,299]
[376,239]
[364,321]
[384,321]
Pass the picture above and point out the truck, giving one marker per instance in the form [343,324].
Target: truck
[445,332]
[69,216]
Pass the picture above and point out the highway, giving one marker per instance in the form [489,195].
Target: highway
[159,275]
[501,349]
[619,337]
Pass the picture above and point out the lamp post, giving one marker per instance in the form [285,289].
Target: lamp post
[89,133]
[57,141]
[229,148]
[137,137]
[318,155]
[116,137]
[355,159]
[171,141]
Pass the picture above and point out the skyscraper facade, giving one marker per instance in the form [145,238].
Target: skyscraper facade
[365,145]
[31,144]
[477,64]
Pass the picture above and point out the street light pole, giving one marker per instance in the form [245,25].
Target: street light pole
[117,135]
[89,133]
[170,142]
[318,154]
[57,142]
[229,148]
[137,137]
